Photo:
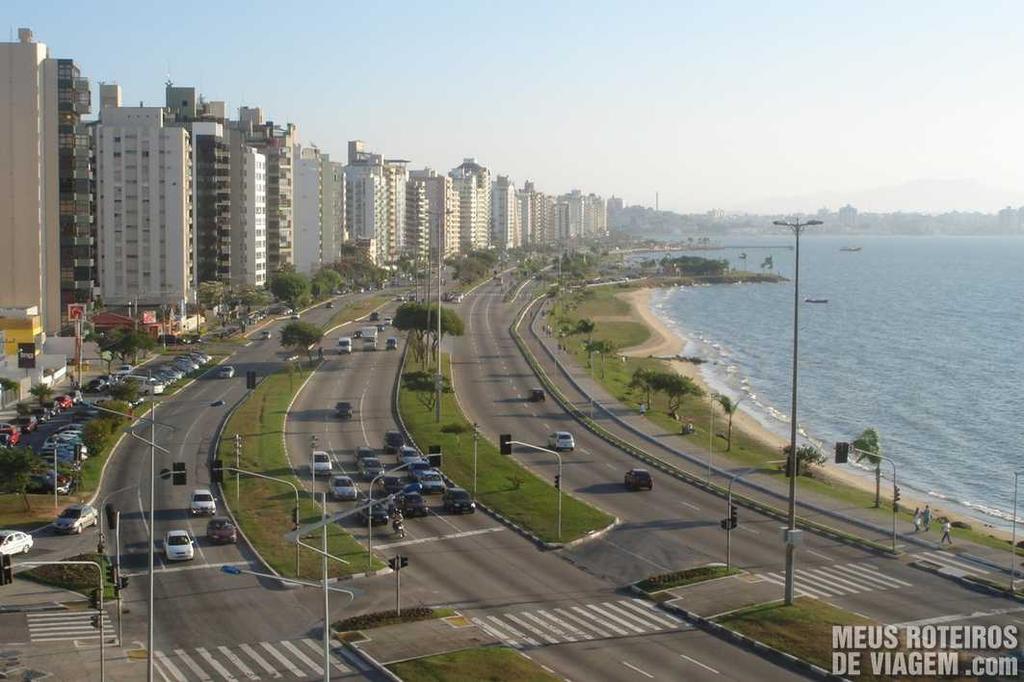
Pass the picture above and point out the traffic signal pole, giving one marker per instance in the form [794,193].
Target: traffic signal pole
[843,451]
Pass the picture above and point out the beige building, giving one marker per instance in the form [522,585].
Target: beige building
[442,210]
[29,203]
[505,231]
[473,184]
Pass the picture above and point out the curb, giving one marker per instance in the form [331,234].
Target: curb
[364,574]
[963,581]
[761,649]
[371,661]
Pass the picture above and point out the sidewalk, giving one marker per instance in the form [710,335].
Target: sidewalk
[581,389]
[395,643]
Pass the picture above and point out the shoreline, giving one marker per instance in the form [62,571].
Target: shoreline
[666,343]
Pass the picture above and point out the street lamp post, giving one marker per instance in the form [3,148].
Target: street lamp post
[476,437]
[1013,533]
[294,488]
[711,433]
[558,455]
[797,227]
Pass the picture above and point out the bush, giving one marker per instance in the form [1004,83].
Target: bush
[382,618]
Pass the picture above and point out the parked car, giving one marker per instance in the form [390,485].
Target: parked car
[388,321]
[97,385]
[413,504]
[330,304]
[179,546]
[639,478]
[392,441]
[457,500]
[10,437]
[296,316]
[123,370]
[344,488]
[15,542]
[321,463]
[76,518]
[431,482]
[363,452]
[203,503]
[226,372]
[221,531]
[343,409]
[64,402]
[357,334]
[561,440]
[391,343]
[370,467]
[537,395]
[377,515]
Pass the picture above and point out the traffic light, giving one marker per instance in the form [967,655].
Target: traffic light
[6,570]
[733,520]
[896,494]
[250,380]
[95,620]
[111,516]
[842,453]
[505,443]
[398,562]
[558,482]
[435,460]
[217,471]
[178,475]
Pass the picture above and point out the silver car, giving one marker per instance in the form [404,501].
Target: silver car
[76,518]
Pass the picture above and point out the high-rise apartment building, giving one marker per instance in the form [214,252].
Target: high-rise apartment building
[395,177]
[30,273]
[848,216]
[614,207]
[473,184]
[443,209]
[595,217]
[308,210]
[365,199]
[212,186]
[543,218]
[505,232]
[144,208]
[417,219]
[332,209]
[525,199]
[248,212]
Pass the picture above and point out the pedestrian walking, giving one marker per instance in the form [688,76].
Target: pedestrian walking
[926,518]
[946,527]
[917,520]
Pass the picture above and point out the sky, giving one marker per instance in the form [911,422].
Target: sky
[729,105]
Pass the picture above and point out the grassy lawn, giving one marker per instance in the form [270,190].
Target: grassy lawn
[503,483]
[264,509]
[77,578]
[368,621]
[488,664]
[689,576]
[352,311]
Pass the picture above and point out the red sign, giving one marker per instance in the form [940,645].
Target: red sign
[76,311]
[148,317]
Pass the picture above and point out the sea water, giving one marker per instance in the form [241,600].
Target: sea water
[921,339]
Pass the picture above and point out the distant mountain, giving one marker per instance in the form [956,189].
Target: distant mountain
[926,196]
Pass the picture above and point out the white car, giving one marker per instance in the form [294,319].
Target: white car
[344,345]
[321,463]
[226,372]
[179,546]
[203,503]
[15,542]
[343,488]
[123,370]
[561,440]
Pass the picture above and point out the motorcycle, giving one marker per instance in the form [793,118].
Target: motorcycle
[398,527]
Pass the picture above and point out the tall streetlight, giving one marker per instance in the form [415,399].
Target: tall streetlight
[791,535]
[1013,534]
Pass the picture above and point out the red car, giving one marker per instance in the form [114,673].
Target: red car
[10,435]
[64,402]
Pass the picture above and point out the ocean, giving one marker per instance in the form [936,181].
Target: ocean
[920,339]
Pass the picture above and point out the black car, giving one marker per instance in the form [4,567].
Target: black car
[413,504]
[374,316]
[392,441]
[636,479]
[377,515]
[97,385]
[362,452]
[537,395]
[343,410]
[457,500]
[393,484]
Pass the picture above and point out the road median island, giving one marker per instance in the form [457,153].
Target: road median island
[353,311]
[493,664]
[263,509]
[378,619]
[689,576]
[503,484]
[74,577]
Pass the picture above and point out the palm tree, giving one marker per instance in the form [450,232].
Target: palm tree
[643,379]
[585,326]
[729,407]
[868,448]
[41,392]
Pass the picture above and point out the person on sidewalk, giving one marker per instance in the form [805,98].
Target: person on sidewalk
[917,520]
[946,527]
[926,518]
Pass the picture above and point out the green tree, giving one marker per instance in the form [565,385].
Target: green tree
[17,465]
[41,392]
[729,407]
[869,449]
[420,319]
[324,282]
[585,326]
[125,391]
[643,380]
[301,335]
[676,387]
[290,287]
[9,386]
[211,294]
[806,457]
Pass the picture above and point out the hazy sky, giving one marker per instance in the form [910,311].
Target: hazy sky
[712,106]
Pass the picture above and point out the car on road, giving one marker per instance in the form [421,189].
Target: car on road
[321,463]
[392,441]
[457,500]
[10,435]
[64,402]
[431,482]
[388,321]
[374,316]
[179,546]
[561,440]
[97,385]
[413,504]
[344,488]
[265,335]
[203,503]
[393,484]
[357,334]
[221,531]
[408,454]
[370,467]
[343,409]
[363,452]
[377,515]
[226,372]
[15,542]
[330,304]
[123,370]
[419,467]
[344,345]
[537,395]
[296,316]
[76,518]
[391,343]
[638,479]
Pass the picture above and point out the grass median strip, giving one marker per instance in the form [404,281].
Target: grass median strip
[689,576]
[75,577]
[353,311]
[379,619]
[263,508]
[487,664]
[503,484]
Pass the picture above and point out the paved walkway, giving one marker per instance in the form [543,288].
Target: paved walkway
[424,638]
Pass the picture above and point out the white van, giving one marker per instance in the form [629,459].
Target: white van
[344,345]
[370,338]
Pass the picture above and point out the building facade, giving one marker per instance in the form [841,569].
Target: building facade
[332,209]
[212,201]
[308,210]
[417,219]
[473,184]
[505,232]
[443,210]
[248,213]
[365,199]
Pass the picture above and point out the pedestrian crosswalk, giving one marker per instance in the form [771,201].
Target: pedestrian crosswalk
[837,580]
[577,623]
[951,561]
[57,626]
[297,659]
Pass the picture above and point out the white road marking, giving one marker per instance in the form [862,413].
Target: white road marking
[231,656]
[437,538]
[691,506]
[633,667]
[961,616]
[282,660]
[696,662]
[302,657]
[820,555]
[318,647]
[254,655]
[187,660]
[215,664]
[165,662]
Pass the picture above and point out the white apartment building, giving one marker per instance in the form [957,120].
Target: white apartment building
[395,177]
[143,208]
[473,184]
[505,232]
[525,199]
[443,205]
[365,199]
[29,205]
[308,210]
[332,209]
[417,219]
[248,213]
[571,226]
[595,216]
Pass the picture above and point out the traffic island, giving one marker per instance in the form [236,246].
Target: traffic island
[73,577]
[687,576]
[486,664]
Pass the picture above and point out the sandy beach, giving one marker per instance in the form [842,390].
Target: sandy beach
[666,343]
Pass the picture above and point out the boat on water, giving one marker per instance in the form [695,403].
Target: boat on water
[851,249]
[815,300]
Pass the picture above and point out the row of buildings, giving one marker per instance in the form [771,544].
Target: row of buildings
[137,205]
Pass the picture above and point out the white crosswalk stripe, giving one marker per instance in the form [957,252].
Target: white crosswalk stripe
[837,580]
[57,626]
[299,659]
[577,623]
[951,561]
